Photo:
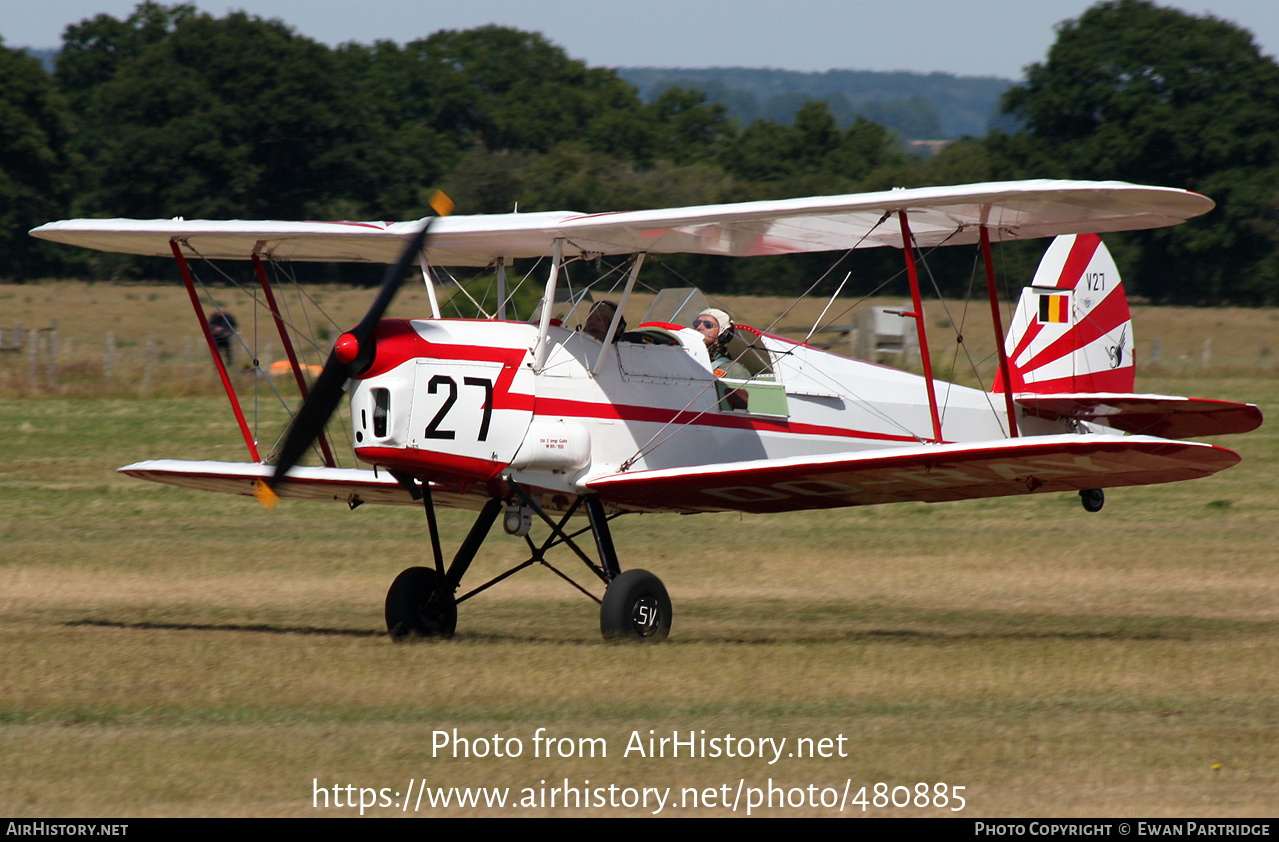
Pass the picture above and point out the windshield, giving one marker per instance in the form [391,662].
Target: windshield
[677,306]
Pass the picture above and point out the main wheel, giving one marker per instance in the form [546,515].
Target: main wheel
[635,607]
[420,603]
[1092,499]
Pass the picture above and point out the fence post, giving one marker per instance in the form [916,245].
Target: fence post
[108,360]
[53,356]
[150,361]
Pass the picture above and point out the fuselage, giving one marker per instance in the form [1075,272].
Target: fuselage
[461,401]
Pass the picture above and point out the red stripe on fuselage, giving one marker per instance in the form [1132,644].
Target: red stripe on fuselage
[562,408]
[432,464]
[398,342]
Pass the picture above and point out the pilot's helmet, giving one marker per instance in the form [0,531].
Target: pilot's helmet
[724,320]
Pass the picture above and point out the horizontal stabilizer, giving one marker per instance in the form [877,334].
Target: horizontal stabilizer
[927,473]
[345,485]
[1166,416]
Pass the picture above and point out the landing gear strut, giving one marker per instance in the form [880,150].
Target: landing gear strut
[422,602]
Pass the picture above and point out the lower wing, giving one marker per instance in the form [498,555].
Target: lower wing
[345,485]
[928,473]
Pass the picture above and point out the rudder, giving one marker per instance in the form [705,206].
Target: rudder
[1072,331]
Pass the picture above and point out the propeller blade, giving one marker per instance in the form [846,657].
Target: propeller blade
[307,425]
[352,356]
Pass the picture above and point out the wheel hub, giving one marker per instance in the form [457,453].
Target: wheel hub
[645,616]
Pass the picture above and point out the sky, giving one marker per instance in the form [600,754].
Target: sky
[964,37]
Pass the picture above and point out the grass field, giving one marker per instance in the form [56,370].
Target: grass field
[170,653]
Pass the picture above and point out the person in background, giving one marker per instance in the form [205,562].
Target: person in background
[222,326]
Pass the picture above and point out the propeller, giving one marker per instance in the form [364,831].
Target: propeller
[351,356]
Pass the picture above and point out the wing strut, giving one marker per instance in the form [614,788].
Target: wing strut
[213,349]
[617,314]
[999,329]
[430,284]
[918,304]
[548,303]
[501,289]
[288,347]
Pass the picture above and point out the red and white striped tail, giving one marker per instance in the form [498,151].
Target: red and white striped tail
[1072,331]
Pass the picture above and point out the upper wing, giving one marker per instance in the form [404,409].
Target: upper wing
[454,241]
[928,473]
[1014,210]
[1166,416]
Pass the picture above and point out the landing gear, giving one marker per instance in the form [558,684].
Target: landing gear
[421,600]
[1092,499]
[635,607]
[420,603]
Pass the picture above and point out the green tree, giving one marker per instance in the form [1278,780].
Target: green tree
[690,127]
[229,117]
[93,49]
[35,168]
[572,177]
[507,89]
[1141,93]
[870,156]
[812,157]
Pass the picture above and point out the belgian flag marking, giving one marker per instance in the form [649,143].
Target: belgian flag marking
[1054,309]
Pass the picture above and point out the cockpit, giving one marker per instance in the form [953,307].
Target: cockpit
[662,346]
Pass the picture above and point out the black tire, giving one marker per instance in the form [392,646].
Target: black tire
[1092,499]
[419,603]
[635,607]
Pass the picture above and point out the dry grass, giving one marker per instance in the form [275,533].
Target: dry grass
[170,653]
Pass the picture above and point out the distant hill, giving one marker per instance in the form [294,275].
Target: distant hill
[919,106]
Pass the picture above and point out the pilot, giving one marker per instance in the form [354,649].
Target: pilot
[717,331]
[600,318]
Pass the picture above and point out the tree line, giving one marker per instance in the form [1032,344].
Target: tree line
[173,112]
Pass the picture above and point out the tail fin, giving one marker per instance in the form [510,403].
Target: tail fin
[1072,331]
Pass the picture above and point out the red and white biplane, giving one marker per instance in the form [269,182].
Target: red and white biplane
[538,420]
